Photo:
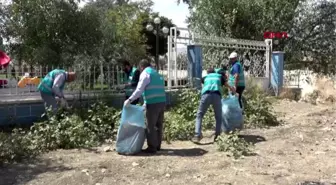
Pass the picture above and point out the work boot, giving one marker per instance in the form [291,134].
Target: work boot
[196,139]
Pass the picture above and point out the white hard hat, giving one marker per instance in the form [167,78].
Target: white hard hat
[233,55]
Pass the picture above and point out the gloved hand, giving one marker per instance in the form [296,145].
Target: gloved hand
[144,107]
[127,103]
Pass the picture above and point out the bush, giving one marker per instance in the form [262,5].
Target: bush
[180,120]
[66,130]
[75,130]
[14,146]
[258,108]
[177,128]
[233,145]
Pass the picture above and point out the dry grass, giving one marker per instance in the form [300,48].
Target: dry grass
[290,94]
[324,92]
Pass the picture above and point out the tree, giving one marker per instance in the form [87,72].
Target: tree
[311,26]
[151,37]
[50,32]
[313,41]
[121,26]
[244,19]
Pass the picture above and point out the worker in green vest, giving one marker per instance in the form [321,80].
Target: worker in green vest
[52,85]
[152,88]
[212,92]
[236,76]
[132,75]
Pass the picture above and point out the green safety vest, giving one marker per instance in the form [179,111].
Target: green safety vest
[241,81]
[129,90]
[48,81]
[213,82]
[122,78]
[155,90]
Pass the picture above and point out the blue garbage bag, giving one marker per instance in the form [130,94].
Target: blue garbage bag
[131,132]
[232,114]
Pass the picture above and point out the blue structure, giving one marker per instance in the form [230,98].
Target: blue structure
[277,68]
[195,59]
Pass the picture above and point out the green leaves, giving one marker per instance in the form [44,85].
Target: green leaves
[311,26]
[65,130]
[180,120]
[151,37]
[242,19]
[49,32]
[313,41]
[233,145]
[258,108]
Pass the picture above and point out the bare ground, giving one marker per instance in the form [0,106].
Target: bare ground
[303,150]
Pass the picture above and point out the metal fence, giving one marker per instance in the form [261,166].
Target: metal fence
[293,78]
[23,80]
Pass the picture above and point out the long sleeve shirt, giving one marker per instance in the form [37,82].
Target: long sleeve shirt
[58,82]
[144,80]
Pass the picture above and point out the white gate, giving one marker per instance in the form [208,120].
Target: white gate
[254,55]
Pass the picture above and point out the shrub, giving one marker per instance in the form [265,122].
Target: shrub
[74,129]
[233,145]
[13,146]
[180,120]
[258,108]
[177,128]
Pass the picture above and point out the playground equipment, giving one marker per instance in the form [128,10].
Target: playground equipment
[26,80]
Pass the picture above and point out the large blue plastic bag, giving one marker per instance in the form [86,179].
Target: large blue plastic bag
[131,132]
[232,114]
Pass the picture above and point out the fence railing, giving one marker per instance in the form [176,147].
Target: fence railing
[24,79]
[292,78]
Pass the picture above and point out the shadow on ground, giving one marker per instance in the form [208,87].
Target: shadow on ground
[188,152]
[203,144]
[248,138]
[315,183]
[253,138]
[22,173]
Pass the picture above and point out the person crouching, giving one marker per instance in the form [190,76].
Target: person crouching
[52,85]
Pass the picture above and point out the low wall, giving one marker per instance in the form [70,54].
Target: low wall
[26,110]
[262,82]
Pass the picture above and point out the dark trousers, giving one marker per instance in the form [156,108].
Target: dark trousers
[133,102]
[239,91]
[49,101]
[154,132]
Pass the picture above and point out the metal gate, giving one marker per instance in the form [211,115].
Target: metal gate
[255,56]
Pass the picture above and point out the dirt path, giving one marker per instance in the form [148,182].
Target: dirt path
[302,150]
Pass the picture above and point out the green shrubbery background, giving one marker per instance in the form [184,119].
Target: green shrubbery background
[91,127]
